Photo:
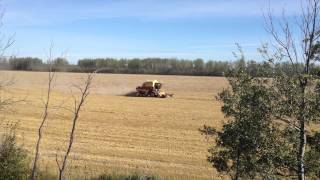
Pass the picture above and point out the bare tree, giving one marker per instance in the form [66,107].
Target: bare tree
[46,103]
[301,51]
[5,82]
[78,104]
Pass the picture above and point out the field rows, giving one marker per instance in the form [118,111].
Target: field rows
[119,133]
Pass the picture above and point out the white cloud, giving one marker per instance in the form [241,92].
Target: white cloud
[41,12]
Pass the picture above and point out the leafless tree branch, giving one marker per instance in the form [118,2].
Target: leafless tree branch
[78,104]
[51,76]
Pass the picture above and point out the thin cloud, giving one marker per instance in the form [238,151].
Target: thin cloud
[209,46]
[46,12]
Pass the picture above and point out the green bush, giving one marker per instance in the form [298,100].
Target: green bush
[13,160]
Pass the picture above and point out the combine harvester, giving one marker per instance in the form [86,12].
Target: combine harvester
[152,89]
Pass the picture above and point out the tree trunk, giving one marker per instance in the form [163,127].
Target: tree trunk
[238,161]
[302,148]
[61,174]
[302,133]
[36,157]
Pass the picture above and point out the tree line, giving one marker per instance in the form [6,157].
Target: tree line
[161,66]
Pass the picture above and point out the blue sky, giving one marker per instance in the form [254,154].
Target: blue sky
[188,29]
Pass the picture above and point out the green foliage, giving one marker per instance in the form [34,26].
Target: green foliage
[269,118]
[248,145]
[313,156]
[26,64]
[216,68]
[254,142]
[154,66]
[60,62]
[134,65]
[288,97]
[165,66]
[13,160]
[87,65]
[198,66]
[178,67]
[297,100]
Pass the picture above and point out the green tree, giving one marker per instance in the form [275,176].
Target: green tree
[60,62]
[297,103]
[26,64]
[248,145]
[198,66]
[88,65]
[134,65]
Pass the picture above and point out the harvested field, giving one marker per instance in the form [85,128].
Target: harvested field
[118,133]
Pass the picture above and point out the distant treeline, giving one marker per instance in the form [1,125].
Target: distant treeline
[163,66]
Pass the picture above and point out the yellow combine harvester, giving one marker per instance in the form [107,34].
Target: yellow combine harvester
[152,89]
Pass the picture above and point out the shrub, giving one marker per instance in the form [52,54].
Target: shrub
[13,159]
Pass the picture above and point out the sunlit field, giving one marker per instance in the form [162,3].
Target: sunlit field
[118,133]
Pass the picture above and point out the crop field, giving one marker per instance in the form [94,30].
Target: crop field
[118,133]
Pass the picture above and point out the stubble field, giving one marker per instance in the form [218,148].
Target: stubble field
[116,133]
